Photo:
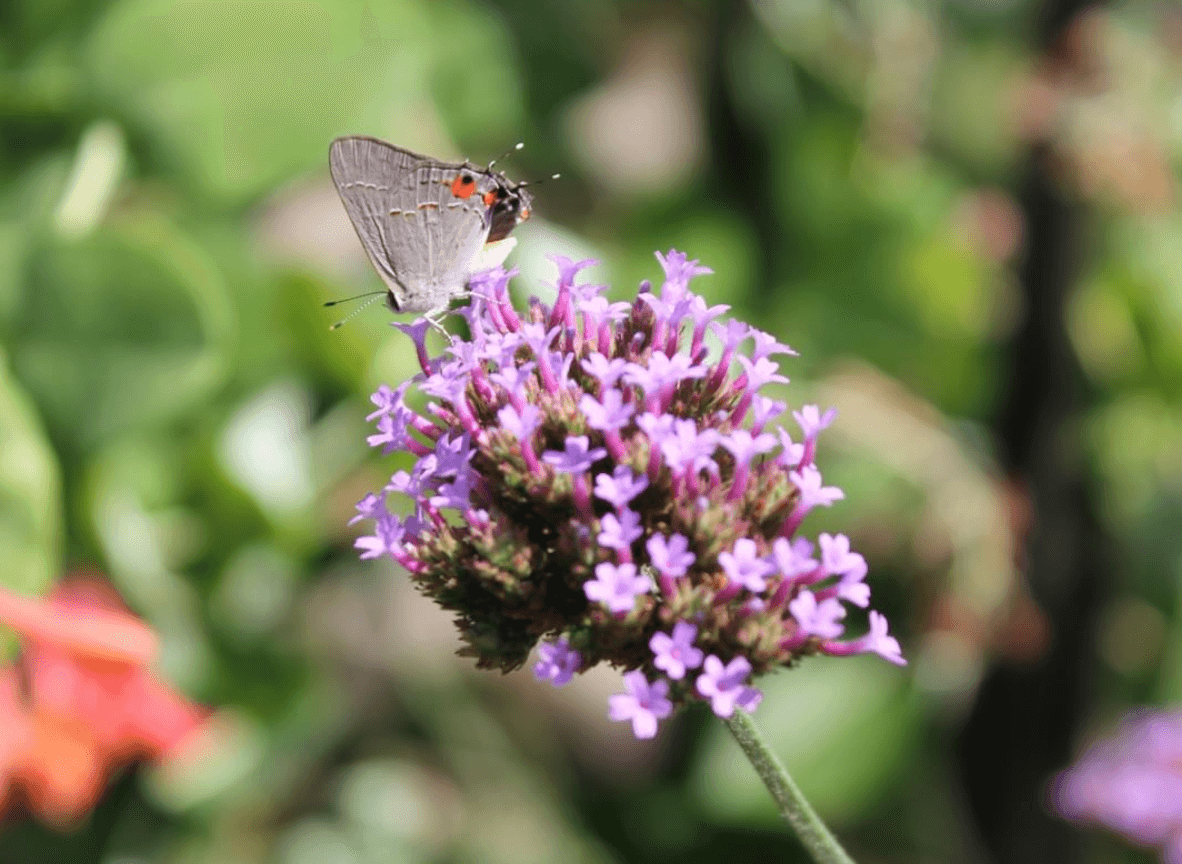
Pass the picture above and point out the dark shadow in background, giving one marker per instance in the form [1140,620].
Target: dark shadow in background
[1027,715]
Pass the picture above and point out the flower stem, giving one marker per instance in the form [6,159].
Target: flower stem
[817,839]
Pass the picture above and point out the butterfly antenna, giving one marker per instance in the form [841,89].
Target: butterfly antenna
[350,299]
[513,149]
[353,314]
[538,182]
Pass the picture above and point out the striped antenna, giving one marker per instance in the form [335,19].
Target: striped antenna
[353,314]
[350,299]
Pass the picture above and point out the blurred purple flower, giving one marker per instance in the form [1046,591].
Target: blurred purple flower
[818,619]
[1131,782]
[670,557]
[619,487]
[577,458]
[620,531]
[558,662]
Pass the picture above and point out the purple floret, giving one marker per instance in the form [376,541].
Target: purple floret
[558,662]
[675,653]
[644,704]
[725,686]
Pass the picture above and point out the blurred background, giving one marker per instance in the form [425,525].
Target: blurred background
[963,214]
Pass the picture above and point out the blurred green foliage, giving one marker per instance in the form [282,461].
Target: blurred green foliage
[174,410]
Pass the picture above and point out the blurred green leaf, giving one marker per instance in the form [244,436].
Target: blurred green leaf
[30,493]
[13,241]
[240,95]
[127,327]
[971,114]
[844,728]
[948,285]
[481,99]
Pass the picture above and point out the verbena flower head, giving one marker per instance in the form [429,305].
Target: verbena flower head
[1131,782]
[592,477]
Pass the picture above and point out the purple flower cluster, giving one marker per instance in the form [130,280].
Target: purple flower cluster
[1131,782]
[589,476]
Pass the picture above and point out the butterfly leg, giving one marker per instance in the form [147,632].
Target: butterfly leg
[435,317]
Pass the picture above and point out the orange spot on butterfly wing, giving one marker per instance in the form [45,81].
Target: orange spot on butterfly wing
[463,185]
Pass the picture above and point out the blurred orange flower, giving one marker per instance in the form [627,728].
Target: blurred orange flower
[81,701]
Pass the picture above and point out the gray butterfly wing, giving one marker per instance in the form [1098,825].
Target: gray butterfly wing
[420,235]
